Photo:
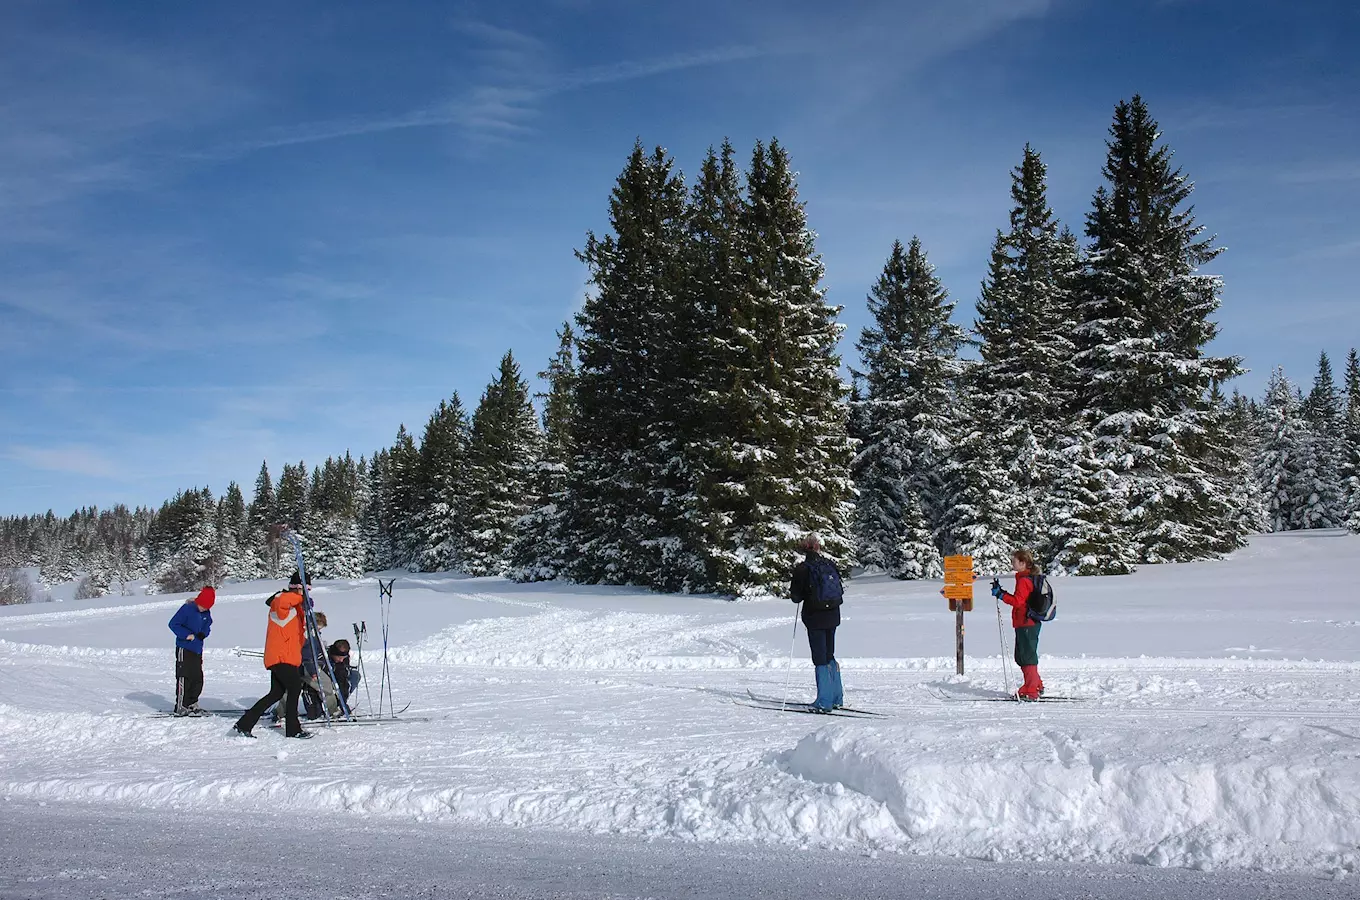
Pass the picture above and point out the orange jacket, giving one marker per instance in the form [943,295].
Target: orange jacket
[284,636]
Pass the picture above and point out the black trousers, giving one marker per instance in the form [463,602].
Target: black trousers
[822,643]
[285,681]
[188,677]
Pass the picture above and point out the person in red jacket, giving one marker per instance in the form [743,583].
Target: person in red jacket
[1026,629]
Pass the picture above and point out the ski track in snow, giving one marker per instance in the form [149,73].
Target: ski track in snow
[612,712]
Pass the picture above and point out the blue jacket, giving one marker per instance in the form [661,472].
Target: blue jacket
[188,621]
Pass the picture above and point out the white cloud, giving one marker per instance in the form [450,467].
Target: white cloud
[73,458]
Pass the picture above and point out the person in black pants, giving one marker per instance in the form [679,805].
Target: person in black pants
[283,658]
[191,624]
[816,584]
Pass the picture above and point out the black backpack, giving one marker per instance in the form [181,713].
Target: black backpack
[1039,606]
[824,584]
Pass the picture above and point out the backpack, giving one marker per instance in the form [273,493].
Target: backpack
[824,584]
[1039,606]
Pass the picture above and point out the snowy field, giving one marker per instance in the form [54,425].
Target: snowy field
[1218,726]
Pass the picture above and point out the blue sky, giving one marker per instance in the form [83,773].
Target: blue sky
[246,231]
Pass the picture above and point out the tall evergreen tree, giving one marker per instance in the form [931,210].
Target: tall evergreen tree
[1145,313]
[1020,395]
[798,434]
[1349,469]
[260,521]
[404,489]
[1278,468]
[911,358]
[375,525]
[539,551]
[502,464]
[334,549]
[1323,505]
[291,500]
[233,532]
[725,390]
[443,487]
[617,520]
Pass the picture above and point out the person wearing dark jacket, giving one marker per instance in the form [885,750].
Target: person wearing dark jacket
[346,676]
[191,623]
[816,585]
[1026,629]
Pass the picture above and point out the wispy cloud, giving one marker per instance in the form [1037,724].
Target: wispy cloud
[514,84]
[72,458]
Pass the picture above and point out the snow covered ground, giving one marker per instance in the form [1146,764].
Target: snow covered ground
[1218,727]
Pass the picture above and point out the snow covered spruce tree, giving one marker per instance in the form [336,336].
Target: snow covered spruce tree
[183,543]
[710,426]
[290,503]
[260,522]
[1145,320]
[1279,473]
[1008,462]
[797,438]
[440,522]
[616,516]
[910,358]
[538,550]
[404,475]
[1321,502]
[502,462]
[1349,468]
[334,549]
[375,520]
[233,536]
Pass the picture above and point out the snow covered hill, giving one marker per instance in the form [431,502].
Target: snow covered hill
[1218,723]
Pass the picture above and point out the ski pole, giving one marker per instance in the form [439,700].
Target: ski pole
[1001,635]
[793,641]
[361,632]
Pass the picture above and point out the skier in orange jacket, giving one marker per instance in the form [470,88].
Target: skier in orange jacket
[283,640]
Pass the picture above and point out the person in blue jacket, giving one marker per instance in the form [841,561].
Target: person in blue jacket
[191,623]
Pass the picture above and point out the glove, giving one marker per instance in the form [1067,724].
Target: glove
[201,636]
[996,590]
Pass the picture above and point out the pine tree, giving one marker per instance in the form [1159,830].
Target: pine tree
[1145,319]
[910,358]
[443,472]
[725,388]
[404,489]
[1020,395]
[616,520]
[238,560]
[798,440]
[183,543]
[502,463]
[1323,503]
[1278,469]
[333,545]
[376,531]
[261,519]
[1349,468]
[291,501]
[539,551]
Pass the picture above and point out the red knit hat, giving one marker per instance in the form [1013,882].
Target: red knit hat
[206,598]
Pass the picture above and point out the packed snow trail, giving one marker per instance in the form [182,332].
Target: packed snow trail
[612,711]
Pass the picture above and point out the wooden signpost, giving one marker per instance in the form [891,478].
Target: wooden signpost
[958,590]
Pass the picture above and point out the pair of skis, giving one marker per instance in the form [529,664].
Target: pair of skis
[775,705]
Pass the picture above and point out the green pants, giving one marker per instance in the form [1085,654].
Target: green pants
[1027,645]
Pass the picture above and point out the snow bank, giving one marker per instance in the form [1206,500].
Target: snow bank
[1261,795]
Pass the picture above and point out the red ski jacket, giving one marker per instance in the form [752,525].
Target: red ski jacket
[1019,602]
